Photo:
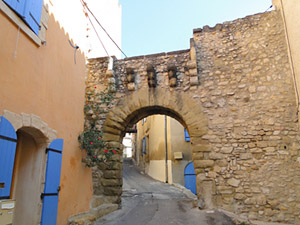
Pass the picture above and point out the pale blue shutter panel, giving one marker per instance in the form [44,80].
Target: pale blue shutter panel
[33,11]
[145,146]
[186,135]
[52,180]
[17,5]
[8,143]
[29,10]
[142,146]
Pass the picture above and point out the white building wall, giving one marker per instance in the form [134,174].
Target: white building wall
[71,16]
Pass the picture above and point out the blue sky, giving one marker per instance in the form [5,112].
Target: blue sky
[154,26]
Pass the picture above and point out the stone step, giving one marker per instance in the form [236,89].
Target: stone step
[104,209]
[90,217]
[86,218]
[98,200]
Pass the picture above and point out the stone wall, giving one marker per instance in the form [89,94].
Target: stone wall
[248,95]
[233,91]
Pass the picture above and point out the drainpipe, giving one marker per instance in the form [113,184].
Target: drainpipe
[166,148]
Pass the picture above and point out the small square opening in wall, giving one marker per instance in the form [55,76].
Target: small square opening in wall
[2,185]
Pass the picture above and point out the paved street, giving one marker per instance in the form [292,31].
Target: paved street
[147,201]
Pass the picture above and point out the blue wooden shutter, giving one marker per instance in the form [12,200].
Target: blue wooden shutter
[33,11]
[186,135]
[17,5]
[145,145]
[142,146]
[8,143]
[29,10]
[190,177]
[50,195]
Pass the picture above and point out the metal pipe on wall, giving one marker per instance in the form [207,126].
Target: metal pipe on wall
[166,149]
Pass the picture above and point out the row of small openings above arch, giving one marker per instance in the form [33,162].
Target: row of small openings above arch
[152,75]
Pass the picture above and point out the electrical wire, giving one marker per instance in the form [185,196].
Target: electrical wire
[75,47]
[269,8]
[85,5]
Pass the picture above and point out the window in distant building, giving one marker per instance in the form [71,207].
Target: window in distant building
[145,145]
[142,146]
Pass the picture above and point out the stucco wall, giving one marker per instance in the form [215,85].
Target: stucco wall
[154,162]
[46,82]
[178,144]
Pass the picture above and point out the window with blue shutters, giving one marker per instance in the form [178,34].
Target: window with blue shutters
[29,11]
[142,146]
[145,145]
[186,135]
[8,143]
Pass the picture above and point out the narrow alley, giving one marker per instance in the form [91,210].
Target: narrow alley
[147,201]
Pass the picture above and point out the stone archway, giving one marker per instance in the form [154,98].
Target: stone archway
[145,102]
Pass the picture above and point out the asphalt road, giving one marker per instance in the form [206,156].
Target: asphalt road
[146,201]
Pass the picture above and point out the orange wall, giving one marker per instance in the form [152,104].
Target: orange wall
[45,81]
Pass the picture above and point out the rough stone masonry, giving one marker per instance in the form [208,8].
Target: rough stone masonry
[233,90]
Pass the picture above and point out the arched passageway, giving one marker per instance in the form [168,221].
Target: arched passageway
[142,103]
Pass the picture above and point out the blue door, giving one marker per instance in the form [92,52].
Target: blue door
[190,177]
[52,179]
[8,143]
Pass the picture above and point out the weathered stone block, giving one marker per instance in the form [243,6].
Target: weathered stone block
[112,174]
[193,73]
[172,82]
[215,155]
[26,119]
[110,137]
[245,156]
[103,210]
[212,174]
[203,163]
[113,124]
[116,165]
[35,121]
[226,150]
[111,182]
[200,148]
[111,130]
[225,190]
[14,119]
[114,144]
[198,155]
[131,87]
[240,196]
[192,64]
[113,191]
[233,182]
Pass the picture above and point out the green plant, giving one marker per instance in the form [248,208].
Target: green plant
[96,149]
[90,139]
[244,223]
